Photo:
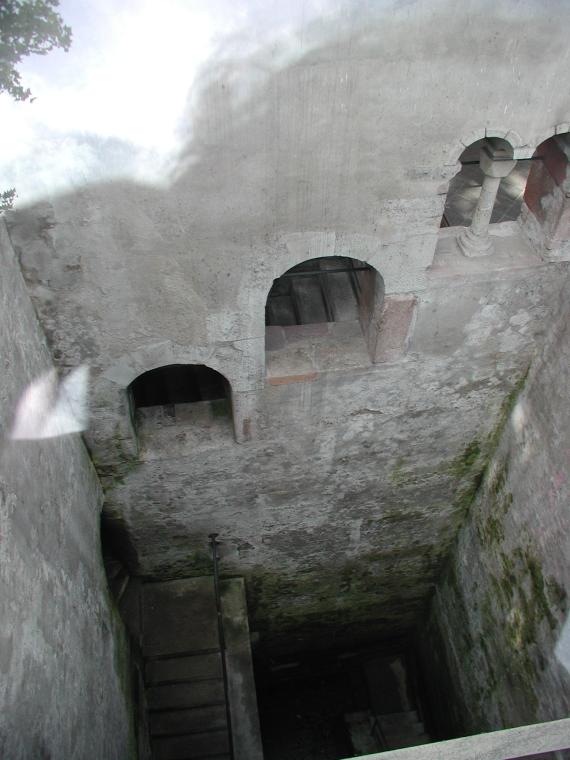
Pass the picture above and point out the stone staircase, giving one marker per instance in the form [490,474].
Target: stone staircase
[188,715]
[392,720]
[395,719]
[398,730]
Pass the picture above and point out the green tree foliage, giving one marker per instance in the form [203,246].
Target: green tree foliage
[27,27]
[7,198]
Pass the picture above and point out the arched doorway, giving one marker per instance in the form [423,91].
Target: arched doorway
[177,393]
[178,384]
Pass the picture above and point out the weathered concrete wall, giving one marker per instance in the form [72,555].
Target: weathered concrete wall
[499,608]
[65,684]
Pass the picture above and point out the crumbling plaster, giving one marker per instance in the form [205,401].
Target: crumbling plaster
[342,144]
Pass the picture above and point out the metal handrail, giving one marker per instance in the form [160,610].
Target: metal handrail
[508,744]
[214,544]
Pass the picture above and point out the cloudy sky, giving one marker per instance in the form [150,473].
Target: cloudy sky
[112,106]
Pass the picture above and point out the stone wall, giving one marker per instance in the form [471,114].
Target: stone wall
[498,611]
[64,684]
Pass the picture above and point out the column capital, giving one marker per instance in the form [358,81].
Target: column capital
[495,159]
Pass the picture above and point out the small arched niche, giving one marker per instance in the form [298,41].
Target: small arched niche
[326,291]
[179,393]
[465,188]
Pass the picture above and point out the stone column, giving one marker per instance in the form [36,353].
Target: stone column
[496,163]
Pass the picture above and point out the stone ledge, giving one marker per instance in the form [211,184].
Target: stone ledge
[301,353]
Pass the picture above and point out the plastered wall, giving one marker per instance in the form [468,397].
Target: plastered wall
[64,667]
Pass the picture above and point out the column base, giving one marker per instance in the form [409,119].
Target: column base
[472,245]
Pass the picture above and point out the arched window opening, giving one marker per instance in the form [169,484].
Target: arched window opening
[332,289]
[547,195]
[325,291]
[181,384]
[465,188]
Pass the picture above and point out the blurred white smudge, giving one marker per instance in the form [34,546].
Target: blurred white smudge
[562,649]
[519,417]
[48,408]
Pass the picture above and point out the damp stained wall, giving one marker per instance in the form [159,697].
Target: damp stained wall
[64,658]
[496,623]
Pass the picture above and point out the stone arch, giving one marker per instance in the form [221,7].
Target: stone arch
[540,138]
[519,147]
[173,384]
[177,393]
[244,373]
[129,366]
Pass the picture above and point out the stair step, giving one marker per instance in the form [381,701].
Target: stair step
[400,726]
[208,744]
[184,688]
[183,695]
[416,730]
[387,684]
[362,739]
[398,742]
[222,756]
[179,616]
[112,567]
[357,717]
[407,717]
[194,720]
[190,668]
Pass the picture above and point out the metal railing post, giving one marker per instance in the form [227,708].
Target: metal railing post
[214,545]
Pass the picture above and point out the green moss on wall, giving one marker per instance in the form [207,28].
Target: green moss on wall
[339,595]
[124,463]
[505,411]
[112,476]
[354,587]
[522,608]
[490,521]
[184,563]
[513,611]
[122,663]
[220,407]
[399,476]
[200,562]
[463,464]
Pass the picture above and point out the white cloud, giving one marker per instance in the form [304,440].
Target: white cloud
[128,77]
